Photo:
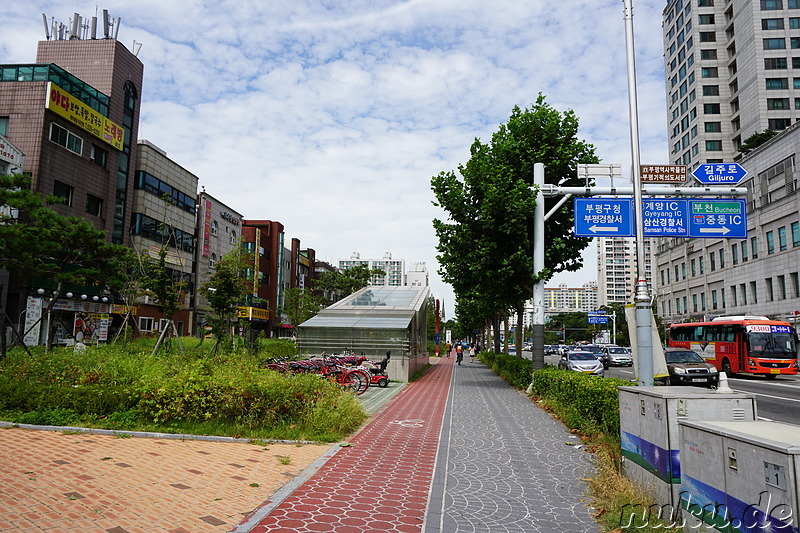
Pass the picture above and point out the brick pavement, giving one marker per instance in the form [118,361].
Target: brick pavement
[54,481]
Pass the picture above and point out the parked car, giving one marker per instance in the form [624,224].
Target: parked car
[616,356]
[688,368]
[584,362]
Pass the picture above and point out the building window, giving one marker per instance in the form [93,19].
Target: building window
[711,109]
[771,5]
[708,54]
[214,228]
[774,84]
[62,190]
[710,90]
[782,287]
[795,284]
[709,72]
[213,261]
[98,156]
[683,270]
[733,295]
[232,238]
[145,323]
[795,233]
[771,24]
[770,243]
[694,268]
[65,138]
[3,125]
[712,261]
[713,146]
[94,205]
[775,63]
[702,266]
[713,299]
[744,251]
[722,257]
[754,247]
[782,245]
[794,23]
[779,123]
[705,3]
[735,254]
[793,4]
[777,103]
[743,292]
[753,292]
[778,43]
[709,37]
[713,127]
[770,292]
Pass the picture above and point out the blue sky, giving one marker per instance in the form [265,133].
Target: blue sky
[331,117]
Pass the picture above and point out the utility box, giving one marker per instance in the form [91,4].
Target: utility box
[649,434]
[740,476]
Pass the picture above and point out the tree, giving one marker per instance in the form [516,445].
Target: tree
[347,282]
[166,287]
[224,290]
[300,304]
[37,242]
[485,246]
[756,140]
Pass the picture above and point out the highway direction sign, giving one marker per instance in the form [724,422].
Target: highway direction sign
[725,219]
[598,320]
[719,173]
[604,217]
[663,173]
[665,217]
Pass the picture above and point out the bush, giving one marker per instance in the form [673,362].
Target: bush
[514,370]
[125,387]
[584,402]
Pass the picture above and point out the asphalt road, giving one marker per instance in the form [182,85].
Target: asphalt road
[778,399]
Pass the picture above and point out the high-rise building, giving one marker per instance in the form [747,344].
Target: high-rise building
[394,269]
[732,70]
[616,269]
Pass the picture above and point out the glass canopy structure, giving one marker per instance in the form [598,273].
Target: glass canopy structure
[373,321]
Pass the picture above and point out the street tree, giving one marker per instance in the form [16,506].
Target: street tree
[36,242]
[300,304]
[225,290]
[485,244]
[348,281]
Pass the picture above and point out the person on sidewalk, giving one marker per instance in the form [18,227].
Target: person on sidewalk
[448,347]
[472,353]
[459,352]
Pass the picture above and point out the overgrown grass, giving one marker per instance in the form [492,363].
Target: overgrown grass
[590,408]
[125,387]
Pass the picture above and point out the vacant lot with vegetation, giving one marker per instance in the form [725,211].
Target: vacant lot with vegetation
[125,386]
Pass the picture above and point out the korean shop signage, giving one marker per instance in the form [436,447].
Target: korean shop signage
[62,103]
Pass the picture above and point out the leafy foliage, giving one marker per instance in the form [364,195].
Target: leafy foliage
[300,304]
[485,246]
[347,282]
[756,140]
[224,291]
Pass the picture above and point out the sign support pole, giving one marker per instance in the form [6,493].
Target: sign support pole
[538,319]
[644,336]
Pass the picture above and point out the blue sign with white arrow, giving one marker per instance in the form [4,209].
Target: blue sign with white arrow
[726,219]
[719,173]
[604,217]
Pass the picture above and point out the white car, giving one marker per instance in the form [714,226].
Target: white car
[584,362]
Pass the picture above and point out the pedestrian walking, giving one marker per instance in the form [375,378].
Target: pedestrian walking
[459,352]
[448,347]
[472,353]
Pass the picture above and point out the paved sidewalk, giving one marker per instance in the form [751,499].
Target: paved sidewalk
[499,464]
[504,464]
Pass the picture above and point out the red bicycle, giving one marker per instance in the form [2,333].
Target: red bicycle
[352,379]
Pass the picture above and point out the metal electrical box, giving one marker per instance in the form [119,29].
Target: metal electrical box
[649,435]
[740,476]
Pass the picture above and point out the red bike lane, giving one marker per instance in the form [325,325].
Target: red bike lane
[381,482]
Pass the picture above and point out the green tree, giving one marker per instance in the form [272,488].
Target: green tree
[756,140]
[300,304]
[485,246]
[224,291]
[37,242]
[348,281]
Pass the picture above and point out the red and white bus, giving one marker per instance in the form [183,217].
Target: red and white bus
[740,344]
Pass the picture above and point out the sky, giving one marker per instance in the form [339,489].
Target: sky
[332,116]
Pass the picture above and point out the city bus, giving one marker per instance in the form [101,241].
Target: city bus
[740,344]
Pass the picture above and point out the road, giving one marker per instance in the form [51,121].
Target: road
[777,400]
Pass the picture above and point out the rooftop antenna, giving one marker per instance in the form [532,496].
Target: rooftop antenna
[46,26]
[76,23]
[116,27]
[136,47]
[94,27]
[106,23]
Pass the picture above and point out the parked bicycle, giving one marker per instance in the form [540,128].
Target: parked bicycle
[354,379]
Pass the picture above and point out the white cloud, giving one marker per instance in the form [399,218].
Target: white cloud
[332,117]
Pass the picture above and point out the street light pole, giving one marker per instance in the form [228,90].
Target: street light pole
[644,335]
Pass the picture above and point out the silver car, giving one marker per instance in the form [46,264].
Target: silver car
[584,362]
[616,356]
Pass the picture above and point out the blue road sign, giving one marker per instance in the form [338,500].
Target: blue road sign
[719,173]
[604,217]
[665,217]
[725,219]
[598,320]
